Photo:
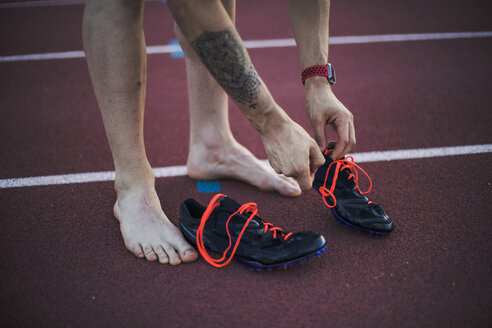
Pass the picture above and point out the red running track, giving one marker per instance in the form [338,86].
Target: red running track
[64,263]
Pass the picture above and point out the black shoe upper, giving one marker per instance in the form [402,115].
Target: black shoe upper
[351,205]
[270,247]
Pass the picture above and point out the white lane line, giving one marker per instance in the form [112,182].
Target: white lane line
[180,170]
[274,43]
[392,155]
[40,3]
[46,3]
[50,55]
[357,39]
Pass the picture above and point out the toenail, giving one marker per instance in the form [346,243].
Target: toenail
[189,252]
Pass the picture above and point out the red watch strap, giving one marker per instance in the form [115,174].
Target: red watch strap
[320,70]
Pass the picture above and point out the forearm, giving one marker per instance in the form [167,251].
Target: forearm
[215,40]
[309,20]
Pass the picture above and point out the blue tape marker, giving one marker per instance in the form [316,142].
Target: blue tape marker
[208,186]
[176,54]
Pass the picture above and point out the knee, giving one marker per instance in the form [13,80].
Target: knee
[179,8]
[132,7]
[136,4]
[109,9]
[131,4]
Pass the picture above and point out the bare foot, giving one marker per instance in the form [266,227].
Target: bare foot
[234,161]
[146,230]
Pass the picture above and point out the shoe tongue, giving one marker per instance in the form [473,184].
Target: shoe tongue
[342,174]
[327,153]
[229,204]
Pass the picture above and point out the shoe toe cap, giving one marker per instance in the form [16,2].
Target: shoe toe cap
[309,241]
[384,226]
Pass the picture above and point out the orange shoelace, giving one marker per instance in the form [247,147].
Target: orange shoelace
[245,208]
[342,164]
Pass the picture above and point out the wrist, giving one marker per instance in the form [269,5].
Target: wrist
[270,120]
[318,87]
[326,71]
[317,82]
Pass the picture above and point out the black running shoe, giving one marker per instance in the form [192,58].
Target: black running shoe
[337,182]
[233,230]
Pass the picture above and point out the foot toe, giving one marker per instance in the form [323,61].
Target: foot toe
[174,259]
[136,249]
[185,251]
[188,255]
[161,254]
[288,187]
[149,253]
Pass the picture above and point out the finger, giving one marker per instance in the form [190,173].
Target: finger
[343,138]
[316,159]
[353,139]
[319,129]
[349,145]
[305,180]
[274,167]
[331,145]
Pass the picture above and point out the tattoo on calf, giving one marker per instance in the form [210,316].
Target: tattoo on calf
[225,58]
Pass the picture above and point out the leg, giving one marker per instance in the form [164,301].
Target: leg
[115,49]
[213,152]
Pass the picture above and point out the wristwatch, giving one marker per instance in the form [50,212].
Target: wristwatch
[321,70]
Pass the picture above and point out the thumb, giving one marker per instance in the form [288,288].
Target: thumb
[305,180]
[320,135]
[316,159]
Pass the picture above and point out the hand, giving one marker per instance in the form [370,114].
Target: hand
[292,152]
[324,108]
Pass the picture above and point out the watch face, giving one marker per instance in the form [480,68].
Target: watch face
[331,74]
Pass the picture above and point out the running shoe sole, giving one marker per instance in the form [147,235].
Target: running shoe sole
[255,265]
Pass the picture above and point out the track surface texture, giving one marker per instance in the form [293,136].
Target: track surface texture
[63,260]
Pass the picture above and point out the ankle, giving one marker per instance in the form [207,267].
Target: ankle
[211,148]
[127,182]
[211,139]
[210,154]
